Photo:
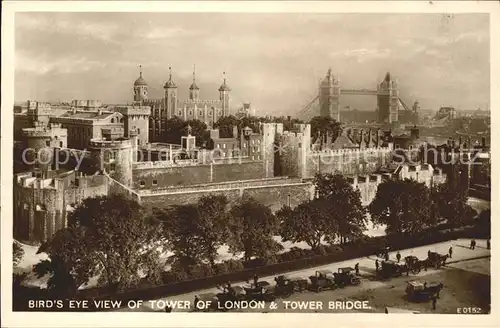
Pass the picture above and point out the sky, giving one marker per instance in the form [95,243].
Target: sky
[274,61]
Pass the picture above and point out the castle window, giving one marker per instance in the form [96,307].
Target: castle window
[253,157]
[138,130]
[47,143]
[209,113]
[258,157]
[218,145]
[26,206]
[111,155]
[142,184]
[224,146]
[40,207]
[112,167]
[112,120]
[60,144]
[190,113]
[155,182]
[200,113]
[180,113]
[258,141]
[253,141]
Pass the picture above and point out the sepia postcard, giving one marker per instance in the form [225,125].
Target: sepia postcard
[274,164]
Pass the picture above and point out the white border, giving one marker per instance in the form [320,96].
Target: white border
[122,319]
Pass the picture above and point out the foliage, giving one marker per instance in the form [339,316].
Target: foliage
[342,204]
[198,129]
[225,125]
[309,222]
[323,125]
[176,128]
[179,228]
[18,253]
[252,228]
[196,231]
[70,264]
[402,205]
[451,198]
[107,236]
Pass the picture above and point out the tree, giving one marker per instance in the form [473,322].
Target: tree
[252,227]
[18,253]
[173,131]
[342,203]
[212,225]
[70,264]
[198,130]
[307,223]
[196,231]
[324,125]
[110,236]
[179,224]
[225,125]
[404,206]
[452,196]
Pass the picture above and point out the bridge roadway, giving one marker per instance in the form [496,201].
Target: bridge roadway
[461,252]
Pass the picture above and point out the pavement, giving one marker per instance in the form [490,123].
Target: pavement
[461,252]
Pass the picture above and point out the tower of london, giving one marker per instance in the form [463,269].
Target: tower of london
[207,111]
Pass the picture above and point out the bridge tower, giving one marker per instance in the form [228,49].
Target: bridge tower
[329,96]
[387,100]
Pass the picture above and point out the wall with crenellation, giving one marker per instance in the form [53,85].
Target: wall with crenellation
[144,178]
[42,205]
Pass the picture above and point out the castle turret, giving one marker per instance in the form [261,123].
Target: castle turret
[224,97]
[136,118]
[113,156]
[194,91]
[40,141]
[140,88]
[170,96]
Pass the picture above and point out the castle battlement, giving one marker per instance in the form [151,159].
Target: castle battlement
[199,101]
[110,144]
[153,101]
[134,110]
[42,131]
[349,151]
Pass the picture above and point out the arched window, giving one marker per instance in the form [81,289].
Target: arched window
[112,120]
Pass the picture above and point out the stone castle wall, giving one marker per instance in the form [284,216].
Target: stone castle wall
[42,205]
[161,177]
[347,161]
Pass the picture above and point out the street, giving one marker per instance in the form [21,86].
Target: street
[466,282]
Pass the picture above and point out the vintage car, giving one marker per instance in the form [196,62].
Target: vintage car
[391,269]
[414,264]
[323,279]
[285,286]
[263,291]
[345,277]
[422,291]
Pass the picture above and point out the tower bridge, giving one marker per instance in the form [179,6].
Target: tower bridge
[390,107]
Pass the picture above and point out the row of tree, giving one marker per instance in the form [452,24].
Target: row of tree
[123,242]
